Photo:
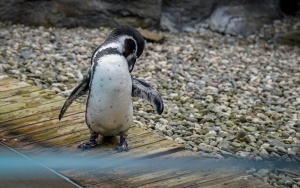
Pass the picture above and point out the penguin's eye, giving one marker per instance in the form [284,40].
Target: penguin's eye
[129,47]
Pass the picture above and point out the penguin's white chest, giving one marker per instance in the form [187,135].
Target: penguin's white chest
[109,108]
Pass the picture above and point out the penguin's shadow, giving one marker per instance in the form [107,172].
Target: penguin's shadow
[108,141]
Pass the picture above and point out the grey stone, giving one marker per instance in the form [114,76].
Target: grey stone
[295,186]
[264,154]
[190,119]
[243,154]
[243,19]
[222,134]
[241,133]
[263,172]
[26,54]
[235,144]
[243,119]
[226,153]
[288,181]
[282,149]
[277,143]
[230,137]
[270,149]
[179,140]
[205,148]
[223,145]
[249,139]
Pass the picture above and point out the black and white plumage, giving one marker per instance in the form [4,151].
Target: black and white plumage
[109,110]
[141,89]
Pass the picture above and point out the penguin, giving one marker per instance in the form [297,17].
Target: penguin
[110,87]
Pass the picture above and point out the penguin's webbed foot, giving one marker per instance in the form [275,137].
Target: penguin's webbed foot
[90,144]
[87,145]
[123,145]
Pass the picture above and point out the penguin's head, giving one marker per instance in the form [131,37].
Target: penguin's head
[132,41]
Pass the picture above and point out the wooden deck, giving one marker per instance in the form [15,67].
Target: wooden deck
[29,123]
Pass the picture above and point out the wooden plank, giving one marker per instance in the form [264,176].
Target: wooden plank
[37,176]
[107,147]
[72,142]
[18,91]
[38,118]
[30,138]
[110,174]
[136,178]
[190,179]
[30,111]
[52,136]
[54,133]
[33,129]
[28,119]
[15,85]
[183,154]
[139,176]
[154,179]
[141,148]
[240,181]
[159,146]
[5,80]
[28,100]
[39,95]
[67,141]
[28,104]
[46,149]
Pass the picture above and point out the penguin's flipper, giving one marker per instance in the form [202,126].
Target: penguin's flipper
[141,89]
[80,90]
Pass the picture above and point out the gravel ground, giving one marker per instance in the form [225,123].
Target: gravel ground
[224,96]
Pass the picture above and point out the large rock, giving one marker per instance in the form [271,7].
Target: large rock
[178,15]
[243,19]
[88,13]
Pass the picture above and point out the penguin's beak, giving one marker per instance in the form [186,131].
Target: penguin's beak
[131,58]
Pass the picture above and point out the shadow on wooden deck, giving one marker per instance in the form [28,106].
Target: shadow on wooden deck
[29,123]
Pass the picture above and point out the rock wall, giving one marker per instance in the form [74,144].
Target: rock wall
[238,17]
[87,13]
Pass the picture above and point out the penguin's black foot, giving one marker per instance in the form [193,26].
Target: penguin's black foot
[123,145]
[90,144]
[87,145]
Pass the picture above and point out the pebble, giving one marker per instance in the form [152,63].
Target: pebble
[211,134]
[205,148]
[223,145]
[263,172]
[243,154]
[241,134]
[179,140]
[282,149]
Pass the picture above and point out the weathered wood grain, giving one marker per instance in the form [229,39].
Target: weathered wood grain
[29,123]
